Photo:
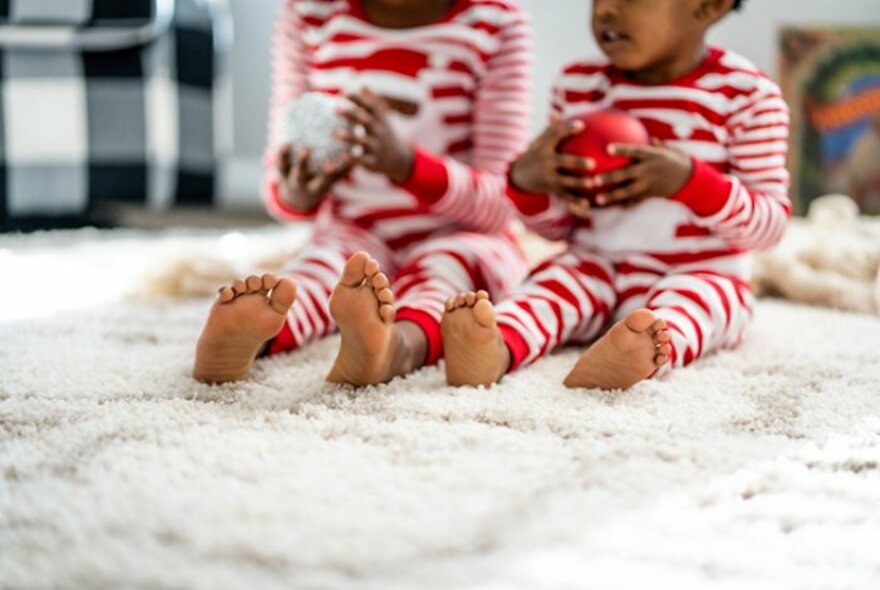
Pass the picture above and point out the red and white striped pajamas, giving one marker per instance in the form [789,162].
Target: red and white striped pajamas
[687,258]
[465,84]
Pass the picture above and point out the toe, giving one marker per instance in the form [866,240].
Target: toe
[450,304]
[270,281]
[662,336]
[226,295]
[484,313]
[471,298]
[254,283]
[658,325]
[386,312]
[460,300]
[239,286]
[283,295]
[385,296]
[640,320]
[380,281]
[371,268]
[354,272]
[482,295]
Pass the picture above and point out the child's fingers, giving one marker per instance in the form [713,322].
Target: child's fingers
[360,101]
[570,199]
[359,116]
[340,166]
[368,160]
[632,191]
[619,176]
[369,101]
[301,167]
[285,162]
[340,172]
[546,136]
[368,142]
[332,173]
[580,207]
[565,129]
[637,152]
[317,184]
[380,105]
[556,132]
[575,163]
[576,183]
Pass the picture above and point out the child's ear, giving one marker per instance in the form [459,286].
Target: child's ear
[711,11]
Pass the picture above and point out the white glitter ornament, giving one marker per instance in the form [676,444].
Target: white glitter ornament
[311,122]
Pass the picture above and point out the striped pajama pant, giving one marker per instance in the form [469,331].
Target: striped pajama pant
[574,298]
[423,277]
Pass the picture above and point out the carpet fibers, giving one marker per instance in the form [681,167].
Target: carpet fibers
[758,468]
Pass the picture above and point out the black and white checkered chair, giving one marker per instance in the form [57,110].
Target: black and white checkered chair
[109,101]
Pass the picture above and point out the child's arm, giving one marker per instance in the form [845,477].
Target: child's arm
[289,81]
[473,195]
[748,206]
[543,197]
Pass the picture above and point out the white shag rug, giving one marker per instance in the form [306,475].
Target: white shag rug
[754,469]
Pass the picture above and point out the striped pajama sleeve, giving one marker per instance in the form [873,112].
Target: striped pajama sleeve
[472,194]
[289,81]
[749,206]
[546,215]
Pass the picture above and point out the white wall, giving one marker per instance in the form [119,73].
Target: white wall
[561,33]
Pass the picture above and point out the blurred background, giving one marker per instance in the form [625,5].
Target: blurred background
[205,134]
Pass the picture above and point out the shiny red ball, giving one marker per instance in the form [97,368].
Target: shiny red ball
[601,129]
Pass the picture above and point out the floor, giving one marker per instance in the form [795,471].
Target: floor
[755,469]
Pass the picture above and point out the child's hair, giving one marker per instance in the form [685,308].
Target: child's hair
[737,4]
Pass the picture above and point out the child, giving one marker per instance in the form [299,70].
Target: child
[442,89]
[667,255]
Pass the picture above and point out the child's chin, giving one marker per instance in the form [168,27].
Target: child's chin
[625,62]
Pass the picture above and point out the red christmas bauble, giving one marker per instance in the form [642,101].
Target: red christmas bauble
[601,129]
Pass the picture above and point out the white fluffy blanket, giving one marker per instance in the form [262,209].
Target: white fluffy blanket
[754,469]
[830,258]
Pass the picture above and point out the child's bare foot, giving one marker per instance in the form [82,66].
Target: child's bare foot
[362,306]
[474,349]
[246,315]
[631,351]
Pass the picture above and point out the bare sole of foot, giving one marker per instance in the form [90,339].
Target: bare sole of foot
[245,316]
[362,306]
[473,347]
[630,352]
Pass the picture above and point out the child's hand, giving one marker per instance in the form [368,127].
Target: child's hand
[541,169]
[383,151]
[658,171]
[301,188]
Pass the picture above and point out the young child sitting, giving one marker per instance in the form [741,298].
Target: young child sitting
[666,252]
[441,90]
